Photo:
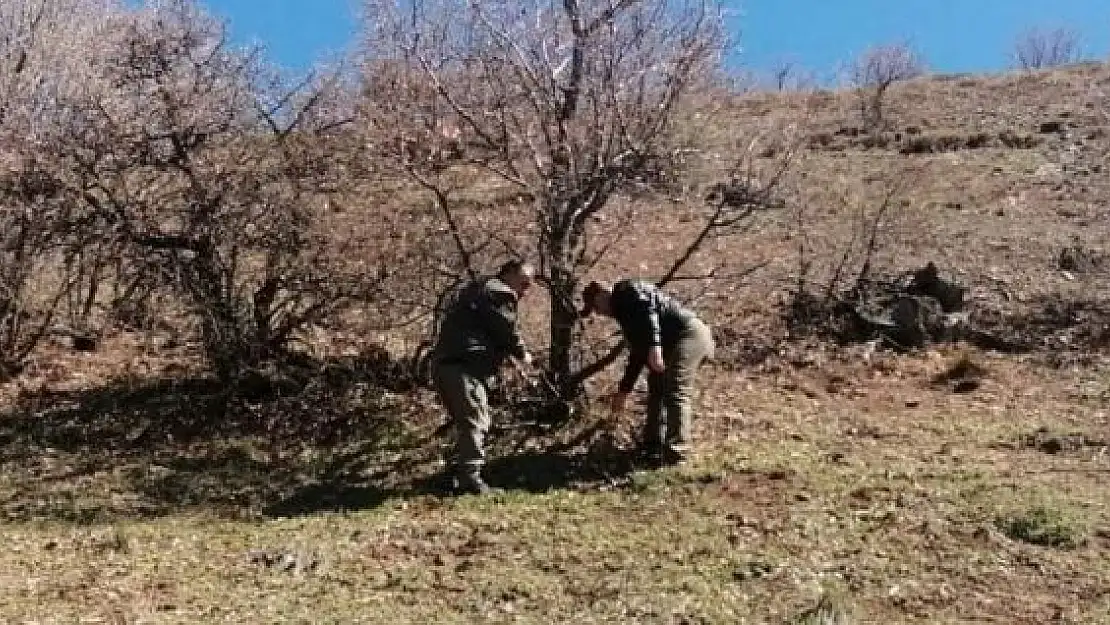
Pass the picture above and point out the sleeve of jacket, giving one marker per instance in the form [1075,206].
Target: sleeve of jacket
[498,311]
[637,359]
[640,312]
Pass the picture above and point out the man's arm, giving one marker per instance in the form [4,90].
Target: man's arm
[636,361]
[636,310]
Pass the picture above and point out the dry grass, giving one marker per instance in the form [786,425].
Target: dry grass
[889,488]
[821,471]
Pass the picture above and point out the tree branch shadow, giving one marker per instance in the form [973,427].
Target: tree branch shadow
[148,448]
[341,441]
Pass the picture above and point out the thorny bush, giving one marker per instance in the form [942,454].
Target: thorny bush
[190,170]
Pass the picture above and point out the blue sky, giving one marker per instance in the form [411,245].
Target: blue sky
[296,33]
[953,35]
[820,35]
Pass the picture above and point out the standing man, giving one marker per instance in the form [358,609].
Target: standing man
[478,333]
[673,343]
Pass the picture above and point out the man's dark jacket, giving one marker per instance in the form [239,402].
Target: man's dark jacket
[647,318]
[479,330]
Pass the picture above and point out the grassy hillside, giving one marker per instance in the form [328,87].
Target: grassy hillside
[133,491]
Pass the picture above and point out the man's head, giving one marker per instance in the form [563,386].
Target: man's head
[519,275]
[596,298]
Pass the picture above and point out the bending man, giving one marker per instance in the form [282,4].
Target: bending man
[479,332]
[673,343]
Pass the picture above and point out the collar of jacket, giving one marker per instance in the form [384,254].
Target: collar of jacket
[497,284]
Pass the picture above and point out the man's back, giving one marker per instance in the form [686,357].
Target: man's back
[647,314]
[479,328]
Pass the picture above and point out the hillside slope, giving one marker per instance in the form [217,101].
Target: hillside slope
[943,485]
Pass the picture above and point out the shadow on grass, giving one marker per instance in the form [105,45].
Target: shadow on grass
[138,449]
[564,465]
[553,464]
[329,497]
[339,440]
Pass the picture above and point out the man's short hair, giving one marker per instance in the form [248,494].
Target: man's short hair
[589,294]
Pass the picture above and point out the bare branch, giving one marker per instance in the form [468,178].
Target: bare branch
[574,101]
[1040,49]
[443,204]
[877,70]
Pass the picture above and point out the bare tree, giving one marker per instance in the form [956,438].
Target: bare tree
[876,70]
[197,172]
[787,75]
[43,45]
[782,73]
[42,61]
[567,104]
[1041,49]
[30,233]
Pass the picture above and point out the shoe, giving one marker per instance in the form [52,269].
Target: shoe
[672,458]
[650,456]
[470,484]
[661,459]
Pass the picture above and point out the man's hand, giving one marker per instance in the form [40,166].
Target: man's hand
[655,360]
[617,401]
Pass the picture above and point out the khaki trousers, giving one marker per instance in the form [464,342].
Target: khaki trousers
[671,393]
[465,398]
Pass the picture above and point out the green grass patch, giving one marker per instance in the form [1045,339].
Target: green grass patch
[1040,525]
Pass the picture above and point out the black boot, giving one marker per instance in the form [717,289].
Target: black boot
[471,483]
[650,456]
[658,457]
[674,458]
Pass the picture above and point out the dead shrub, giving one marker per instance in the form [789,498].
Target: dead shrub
[196,173]
[1079,259]
[875,72]
[831,609]
[1038,49]
[962,373]
[1015,141]
[935,144]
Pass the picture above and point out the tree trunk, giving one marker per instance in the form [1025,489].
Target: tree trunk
[563,317]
